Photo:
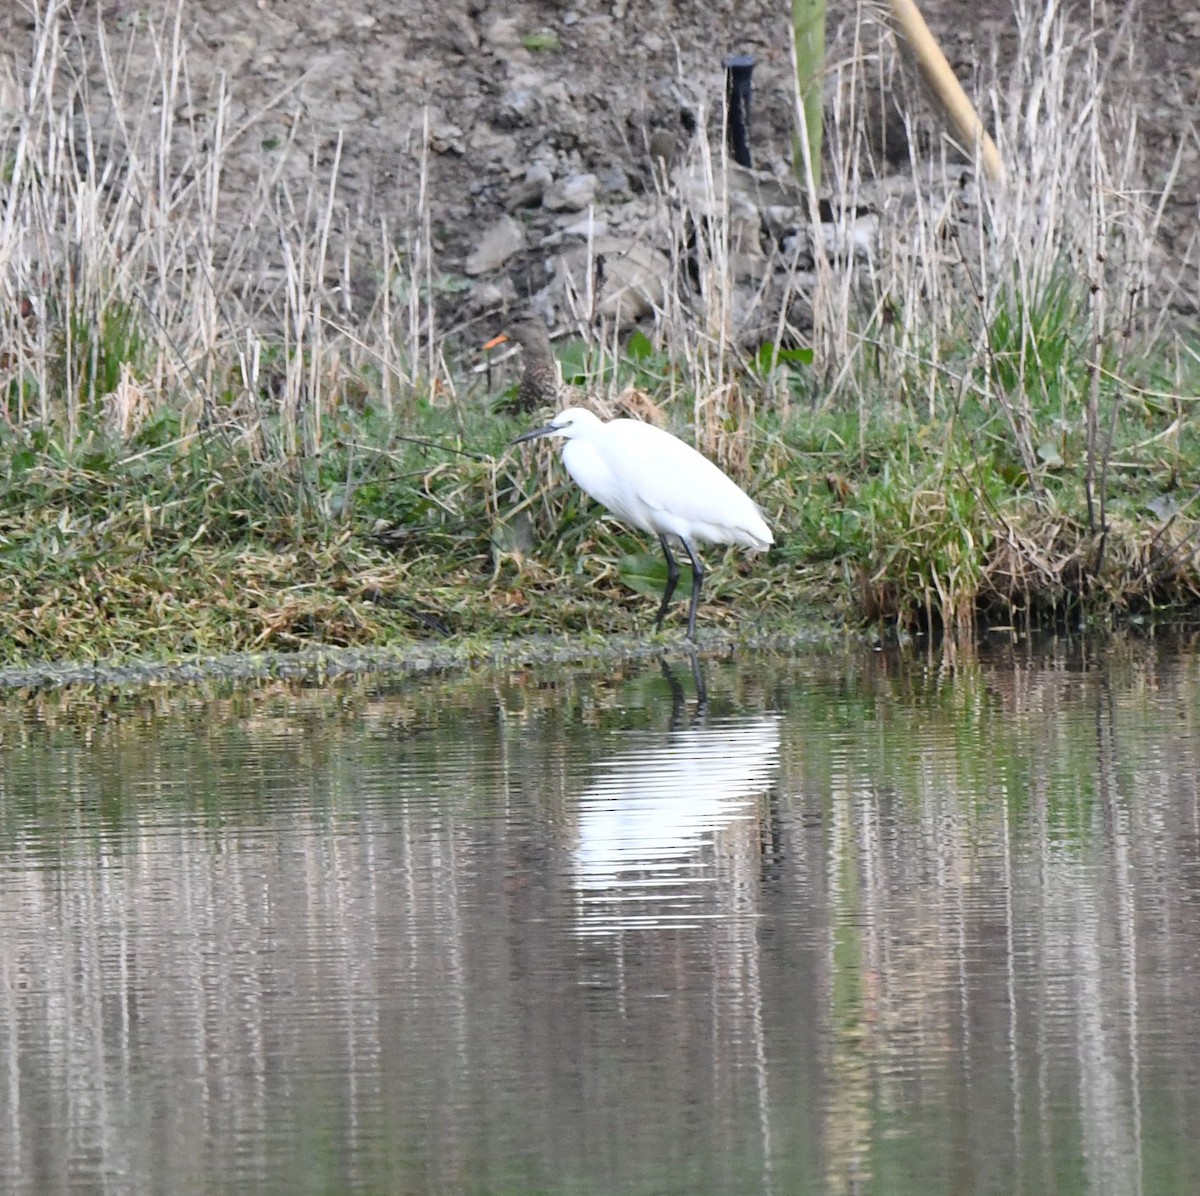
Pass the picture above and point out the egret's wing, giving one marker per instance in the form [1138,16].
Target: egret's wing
[683,491]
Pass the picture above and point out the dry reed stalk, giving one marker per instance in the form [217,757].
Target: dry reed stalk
[121,235]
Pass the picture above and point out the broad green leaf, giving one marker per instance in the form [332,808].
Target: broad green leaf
[769,358]
[1049,455]
[646,572]
[638,347]
[544,39]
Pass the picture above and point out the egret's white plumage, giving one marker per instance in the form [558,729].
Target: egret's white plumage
[656,483]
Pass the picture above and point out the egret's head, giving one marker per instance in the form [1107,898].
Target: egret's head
[574,421]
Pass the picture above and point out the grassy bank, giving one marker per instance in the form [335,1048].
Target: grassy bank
[418,528]
[990,421]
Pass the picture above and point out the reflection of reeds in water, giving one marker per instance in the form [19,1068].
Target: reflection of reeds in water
[989,903]
[662,823]
[976,931]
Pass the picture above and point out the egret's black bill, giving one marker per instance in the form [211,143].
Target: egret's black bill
[545,430]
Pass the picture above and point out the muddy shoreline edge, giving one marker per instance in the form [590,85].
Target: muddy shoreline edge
[416,659]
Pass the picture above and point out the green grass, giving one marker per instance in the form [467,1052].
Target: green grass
[396,532]
[429,525]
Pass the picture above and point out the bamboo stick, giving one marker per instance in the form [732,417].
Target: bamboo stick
[808,23]
[937,73]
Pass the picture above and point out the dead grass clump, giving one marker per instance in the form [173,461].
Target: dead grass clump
[1037,568]
[1165,562]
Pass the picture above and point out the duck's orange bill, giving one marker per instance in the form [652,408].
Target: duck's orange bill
[496,340]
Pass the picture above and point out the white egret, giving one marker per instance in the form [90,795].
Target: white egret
[656,483]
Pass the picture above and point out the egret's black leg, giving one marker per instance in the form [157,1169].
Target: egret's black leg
[677,700]
[672,581]
[697,578]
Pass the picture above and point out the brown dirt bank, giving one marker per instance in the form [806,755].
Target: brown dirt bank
[607,77]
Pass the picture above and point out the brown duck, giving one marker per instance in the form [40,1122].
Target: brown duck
[540,384]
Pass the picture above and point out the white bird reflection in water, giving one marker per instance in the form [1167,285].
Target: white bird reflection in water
[668,831]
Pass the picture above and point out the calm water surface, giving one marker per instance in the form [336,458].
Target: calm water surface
[863,924]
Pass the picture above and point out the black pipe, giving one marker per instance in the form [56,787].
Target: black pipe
[738,68]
